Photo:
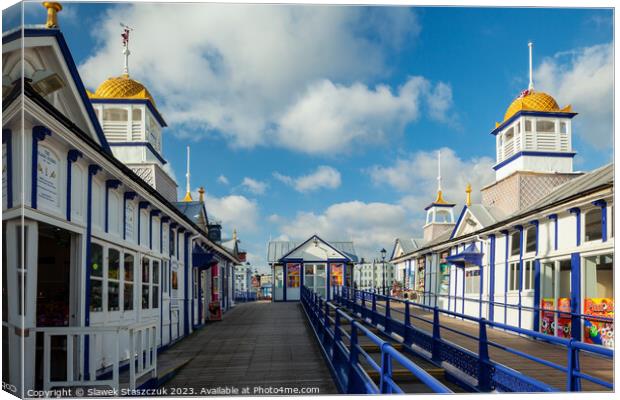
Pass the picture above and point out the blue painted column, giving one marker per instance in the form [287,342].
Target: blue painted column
[521,270]
[72,156]
[536,294]
[492,278]
[575,294]
[185,280]
[109,184]
[92,171]
[126,197]
[577,212]
[327,282]
[39,133]
[7,140]
[506,237]
[603,205]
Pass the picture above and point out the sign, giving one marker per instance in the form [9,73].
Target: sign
[130,208]
[564,320]
[596,331]
[175,280]
[337,272]
[47,178]
[547,320]
[292,275]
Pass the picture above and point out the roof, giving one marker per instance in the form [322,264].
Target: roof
[191,209]
[409,245]
[276,249]
[122,87]
[486,215]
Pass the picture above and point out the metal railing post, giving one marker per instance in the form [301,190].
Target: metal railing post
[436,343]
[337,335]
[484,370]
[353,356]
[573,382]
[408,337]
[374,308]
[363,307]
[387,315]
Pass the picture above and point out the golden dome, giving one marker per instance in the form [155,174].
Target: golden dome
[121,87]
[534,101]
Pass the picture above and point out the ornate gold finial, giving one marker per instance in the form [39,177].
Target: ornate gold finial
[188,197]
[52,9]
[468,191]
[201,192]
[235,234]
[439,199]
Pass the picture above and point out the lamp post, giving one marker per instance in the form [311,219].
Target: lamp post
[383,253]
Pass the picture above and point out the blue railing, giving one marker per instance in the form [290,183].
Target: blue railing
[488,374]
[245,296]
[344,360]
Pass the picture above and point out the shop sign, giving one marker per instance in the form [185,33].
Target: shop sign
[47,178]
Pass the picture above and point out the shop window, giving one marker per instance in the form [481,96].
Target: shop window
[128,266]
[155,278]
[337,271]
[136,114]
[545,125]
[292,275]
[594,224]
[114,259]
[530,239]
[599,300]
[146,279]
[115,114]
[96,277]
[515,243]
[514,272]
[472,281]
[528,275]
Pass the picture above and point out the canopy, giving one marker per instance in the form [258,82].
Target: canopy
[470,255]
[202,258]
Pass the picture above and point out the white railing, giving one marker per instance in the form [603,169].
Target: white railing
[142,354]
[75,338]
[143,351]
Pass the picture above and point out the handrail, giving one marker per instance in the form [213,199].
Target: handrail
[574,375]
[356,379]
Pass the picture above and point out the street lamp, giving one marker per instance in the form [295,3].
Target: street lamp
[383,253]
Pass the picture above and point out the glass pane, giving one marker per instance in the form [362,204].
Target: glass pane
[155,296]
[96,260]
[515,243]
[145,270]
[145,296]
[136,114]
[113,264]
[545,126]
[128,297]
[594,225]
[128,267]
[113,296]
[96,295]
[531,239]
[528,125]
[155,271]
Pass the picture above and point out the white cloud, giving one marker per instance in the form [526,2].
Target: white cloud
[584,78]
[323,177]
[254,186]
[235,212]
[223,180]
[416,177]
[371,226]
[331,118]
[232,70]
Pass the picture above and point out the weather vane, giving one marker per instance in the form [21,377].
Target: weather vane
[126,52]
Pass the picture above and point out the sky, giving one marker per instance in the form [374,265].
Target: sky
[327,119]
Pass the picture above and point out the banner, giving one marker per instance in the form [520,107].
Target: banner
[596,331]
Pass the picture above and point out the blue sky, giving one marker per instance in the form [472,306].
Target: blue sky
[356,100]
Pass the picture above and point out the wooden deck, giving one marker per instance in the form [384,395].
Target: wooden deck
[590,364]
[257,345]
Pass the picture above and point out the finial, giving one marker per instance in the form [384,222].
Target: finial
[201,192]
[126,52]
[468,191]
[52,9]
[188,192]
[439,199]
[235,234]
[531,85]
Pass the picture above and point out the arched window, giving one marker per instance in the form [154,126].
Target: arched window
[115,114]
[594,224]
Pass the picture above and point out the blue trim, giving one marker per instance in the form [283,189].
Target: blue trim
[64,49]
[126,196]
[283,258]
[506,236]
[72,156]
[39,133]
[148,103]
[535,154]
[185,283]
[577,212]
[141,205]
[109,184]
[458,221]
[603,204]
[537,294]
[448,205]
[575,295]
[152,214]
[554,217]
[521,270]
[93,169]
[492,278]
[148,145]
[524,113]
[7,138]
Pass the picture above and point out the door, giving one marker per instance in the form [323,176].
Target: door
[555,295]
[278,283]
[315,278]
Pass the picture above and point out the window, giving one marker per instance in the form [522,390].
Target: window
[136,114]
[115,114]
[545,125]
[518,127]
[528,275]
[528,125]
[145,283]
[514,272]
[530,239]
[114,264]
[515,243]
[96,277]
[563,127]
[128,266]
[155,279]
[472,281]
[443,217]
[509,134]
[594,224]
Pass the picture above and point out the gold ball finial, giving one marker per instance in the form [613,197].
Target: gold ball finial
[52,9]
[201,192]
[468,191]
